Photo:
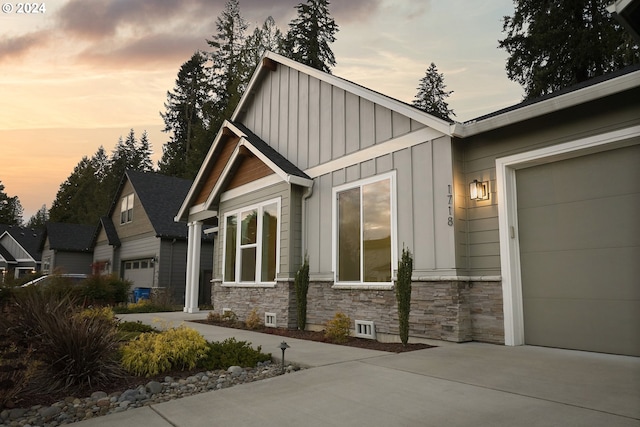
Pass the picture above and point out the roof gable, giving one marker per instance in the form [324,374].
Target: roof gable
[14,248]
[69,237]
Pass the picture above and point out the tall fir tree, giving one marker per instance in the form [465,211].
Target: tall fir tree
[187,119]
[77,200]
[555,44]
[432,94]
[39,219]
[10,208]
[229,70]
[268,37]
[310,35]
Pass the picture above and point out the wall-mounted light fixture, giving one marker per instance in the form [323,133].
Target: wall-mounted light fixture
[479,190]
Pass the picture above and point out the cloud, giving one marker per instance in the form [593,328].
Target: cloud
[20,46]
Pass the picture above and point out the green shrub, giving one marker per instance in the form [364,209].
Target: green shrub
[403,293]
[221,355]
[136,326]
[143,306]
[253,321]
[153,353]
[301,285]
[100,289]
[230,317]
[337,329]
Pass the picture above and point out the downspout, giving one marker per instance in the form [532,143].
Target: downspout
[305,195]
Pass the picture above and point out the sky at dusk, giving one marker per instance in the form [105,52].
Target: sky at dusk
[83,73]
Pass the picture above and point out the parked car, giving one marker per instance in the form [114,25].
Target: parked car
[73,279]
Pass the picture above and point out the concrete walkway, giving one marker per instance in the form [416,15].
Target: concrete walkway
[468,384]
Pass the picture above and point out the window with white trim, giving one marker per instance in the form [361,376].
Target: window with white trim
[363,231]
[126,209]
[251,245]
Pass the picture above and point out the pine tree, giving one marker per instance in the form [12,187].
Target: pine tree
[229,70]
[431,94]
[310,34]
[555,44]
[39,218]
[10,208]
[187,116]
[268,37]
[77,200]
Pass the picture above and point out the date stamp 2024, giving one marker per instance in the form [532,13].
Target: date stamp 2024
[24,8]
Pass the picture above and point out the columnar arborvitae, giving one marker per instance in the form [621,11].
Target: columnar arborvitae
[301,285]
[403,293]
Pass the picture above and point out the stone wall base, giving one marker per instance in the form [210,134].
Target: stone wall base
[449,310]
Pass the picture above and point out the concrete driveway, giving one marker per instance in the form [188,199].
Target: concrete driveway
[468,384]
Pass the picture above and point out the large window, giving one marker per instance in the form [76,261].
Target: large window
[126,209]
[251,244]
[364,229]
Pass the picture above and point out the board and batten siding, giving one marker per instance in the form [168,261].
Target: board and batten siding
[279,191]
[311,122]
[481,151]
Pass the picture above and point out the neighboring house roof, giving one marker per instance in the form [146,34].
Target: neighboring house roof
[27,238]
[6,255]
[110,231]
[68,237]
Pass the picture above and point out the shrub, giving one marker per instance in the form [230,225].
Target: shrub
[229,317]
[403,294]
[100,289]
[136,326]
[337,329]
[253,321]
[214,317]
[16,370]
[77,349]
[142,306]
[301,285]
[153,353]
[221,355]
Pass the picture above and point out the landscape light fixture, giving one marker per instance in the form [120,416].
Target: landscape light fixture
[283,346]
[479,190]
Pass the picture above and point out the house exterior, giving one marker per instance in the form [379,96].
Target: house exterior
[19,251]
[139,241]
[511,218]
[67,248]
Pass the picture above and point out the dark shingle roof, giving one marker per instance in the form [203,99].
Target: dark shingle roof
[6,254]
[69,237]
[278,159]
[161,196]
[110,230]
[28,238]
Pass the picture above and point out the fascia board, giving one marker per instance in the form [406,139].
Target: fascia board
[571,99]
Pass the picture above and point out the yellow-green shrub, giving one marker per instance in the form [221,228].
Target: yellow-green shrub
[337,329]
[105,313]
[153,353]
[253,321]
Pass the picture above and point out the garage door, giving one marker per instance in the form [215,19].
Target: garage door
[579,232]
[139,272]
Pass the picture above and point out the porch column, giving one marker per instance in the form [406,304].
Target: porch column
[193,267]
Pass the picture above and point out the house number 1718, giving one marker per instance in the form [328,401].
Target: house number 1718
[450,206]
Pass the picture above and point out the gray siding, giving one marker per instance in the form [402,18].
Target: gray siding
[280,190]
[607,114]
[311,122]
[172,266]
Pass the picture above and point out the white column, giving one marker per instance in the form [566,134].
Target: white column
[193,267]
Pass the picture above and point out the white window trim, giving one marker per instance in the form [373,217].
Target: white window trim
[129,208]
[258,207]
[508,214]
[391,176]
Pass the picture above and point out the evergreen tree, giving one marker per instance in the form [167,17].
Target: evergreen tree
[77,200]
[185,119]
[431,94]
[268,37]
[39,218]
[310,34]
[555,44]
[229,71]
[142,159]
[10,208]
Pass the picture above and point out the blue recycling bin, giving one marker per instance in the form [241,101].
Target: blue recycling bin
[141,293]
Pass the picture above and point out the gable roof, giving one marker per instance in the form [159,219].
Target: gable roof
[27,238]
[68,237]
[282,167]
[110,230]
[271,59]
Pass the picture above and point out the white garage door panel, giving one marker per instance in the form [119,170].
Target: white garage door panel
[579,240]
[139,272]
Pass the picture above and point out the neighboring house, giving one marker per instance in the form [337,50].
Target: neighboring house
[523,224]
[139,241]
[19,251]
[66,248]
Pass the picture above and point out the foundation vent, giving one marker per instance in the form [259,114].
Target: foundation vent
[270,320]
[365,329]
